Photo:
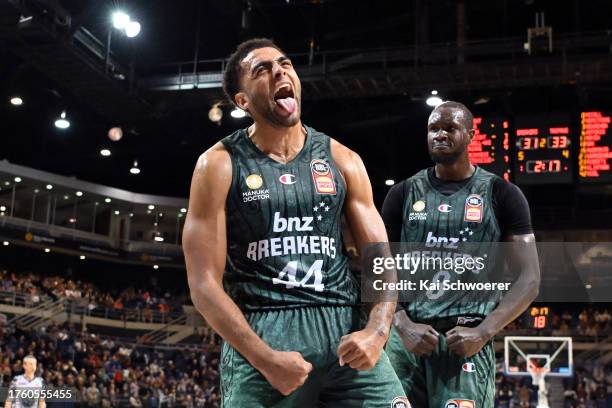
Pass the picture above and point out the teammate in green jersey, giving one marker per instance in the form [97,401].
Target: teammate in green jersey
[264,252]
[442,349]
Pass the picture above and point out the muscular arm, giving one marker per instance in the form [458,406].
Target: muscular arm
[523,257]
[366,226]
[205,247]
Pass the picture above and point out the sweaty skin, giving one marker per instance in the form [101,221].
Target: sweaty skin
[278,133]
[449,134]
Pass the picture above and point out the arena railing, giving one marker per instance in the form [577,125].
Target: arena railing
[72,306]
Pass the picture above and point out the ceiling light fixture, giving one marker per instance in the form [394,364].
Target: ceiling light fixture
[238,113]
[62,122]
[215,113]
[135,169]
[433,99]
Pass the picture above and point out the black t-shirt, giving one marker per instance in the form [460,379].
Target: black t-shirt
[509,205]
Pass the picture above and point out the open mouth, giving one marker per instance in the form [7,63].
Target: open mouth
[285,98]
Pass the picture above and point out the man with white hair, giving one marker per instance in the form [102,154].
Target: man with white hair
[26,388]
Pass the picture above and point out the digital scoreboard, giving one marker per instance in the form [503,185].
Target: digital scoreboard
[489,148]
[543,150]
[538,317]
[595,154]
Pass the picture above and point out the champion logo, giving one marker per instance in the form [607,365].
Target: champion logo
[287,179]
[469,367]
[460,403]
[445,208]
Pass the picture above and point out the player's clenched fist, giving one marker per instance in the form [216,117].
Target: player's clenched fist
[466,341]
[421,339]
[362,349]
[286,371]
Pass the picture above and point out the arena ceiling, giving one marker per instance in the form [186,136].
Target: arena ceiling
[367,67]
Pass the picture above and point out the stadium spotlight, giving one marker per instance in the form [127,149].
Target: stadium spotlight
[79,194]
[132,29]
[433,99]
[135,169]
[17,179]
[2,208]
[155,266]
[62,122]
[49,186]
[5,243]
[82,257]
[16,101]
[158,237]
[117,212]
[238,113]
[66,197]
[183,210]
[47,250]
[151,207]
[105,152]
[389,182]
[120,20]
[107,200]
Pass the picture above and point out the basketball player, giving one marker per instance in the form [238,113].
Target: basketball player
[442,350]
[264,252]
[24,388]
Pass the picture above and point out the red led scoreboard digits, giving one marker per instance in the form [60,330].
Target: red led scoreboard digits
[595,147]
[490,146]
[543,154]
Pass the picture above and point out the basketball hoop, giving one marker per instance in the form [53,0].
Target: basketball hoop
[537,373]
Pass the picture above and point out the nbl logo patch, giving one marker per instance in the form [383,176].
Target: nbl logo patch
[323,177]
[473,208]
[400,402]
[460,403]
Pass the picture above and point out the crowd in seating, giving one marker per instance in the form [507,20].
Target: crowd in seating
[107,373]
[588,388]
[123,303]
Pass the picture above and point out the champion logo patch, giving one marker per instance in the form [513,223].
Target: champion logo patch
[445,208]
[323,177]
[400,402]
[460,403]
[287,179]
[469,367]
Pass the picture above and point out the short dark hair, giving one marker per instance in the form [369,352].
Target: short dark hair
[469,118]
[233,70]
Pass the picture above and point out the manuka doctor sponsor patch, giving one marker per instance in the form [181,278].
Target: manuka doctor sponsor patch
[323,177]
[255,193]
[418,214]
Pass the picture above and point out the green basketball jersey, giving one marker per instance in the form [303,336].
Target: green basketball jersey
[444,223]
[284,240]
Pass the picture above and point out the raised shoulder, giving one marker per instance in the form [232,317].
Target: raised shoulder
[211,181]
[348,162]
[216,159]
